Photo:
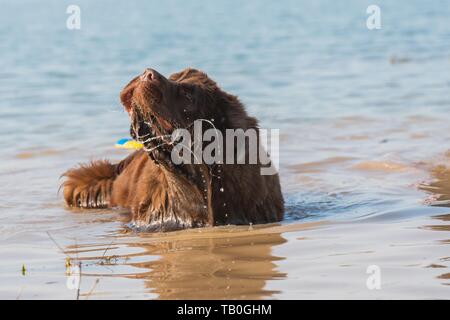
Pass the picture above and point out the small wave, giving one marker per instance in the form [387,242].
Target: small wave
[37,154]
[398,60]
[404,214]
[336,206]
[315,166]
[384,166]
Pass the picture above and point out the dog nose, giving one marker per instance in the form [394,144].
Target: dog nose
[148,75]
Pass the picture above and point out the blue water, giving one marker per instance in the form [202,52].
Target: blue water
[312,69]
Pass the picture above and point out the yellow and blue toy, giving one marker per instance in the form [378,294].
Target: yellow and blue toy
[126,143]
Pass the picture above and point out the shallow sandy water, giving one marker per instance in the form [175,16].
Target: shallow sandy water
[364,147]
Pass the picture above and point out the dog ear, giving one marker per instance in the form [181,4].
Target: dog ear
[183,74]
[236,116]
[194,77]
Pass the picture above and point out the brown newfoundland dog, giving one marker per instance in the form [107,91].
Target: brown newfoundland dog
[162,195]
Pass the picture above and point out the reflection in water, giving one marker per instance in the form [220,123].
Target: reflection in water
[293,261]
[207,264]
[440,190]
[212,268]
[442,227]
[439,187]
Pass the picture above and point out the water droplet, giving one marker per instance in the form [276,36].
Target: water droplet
[204,207]
[222,190]
[224,204]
